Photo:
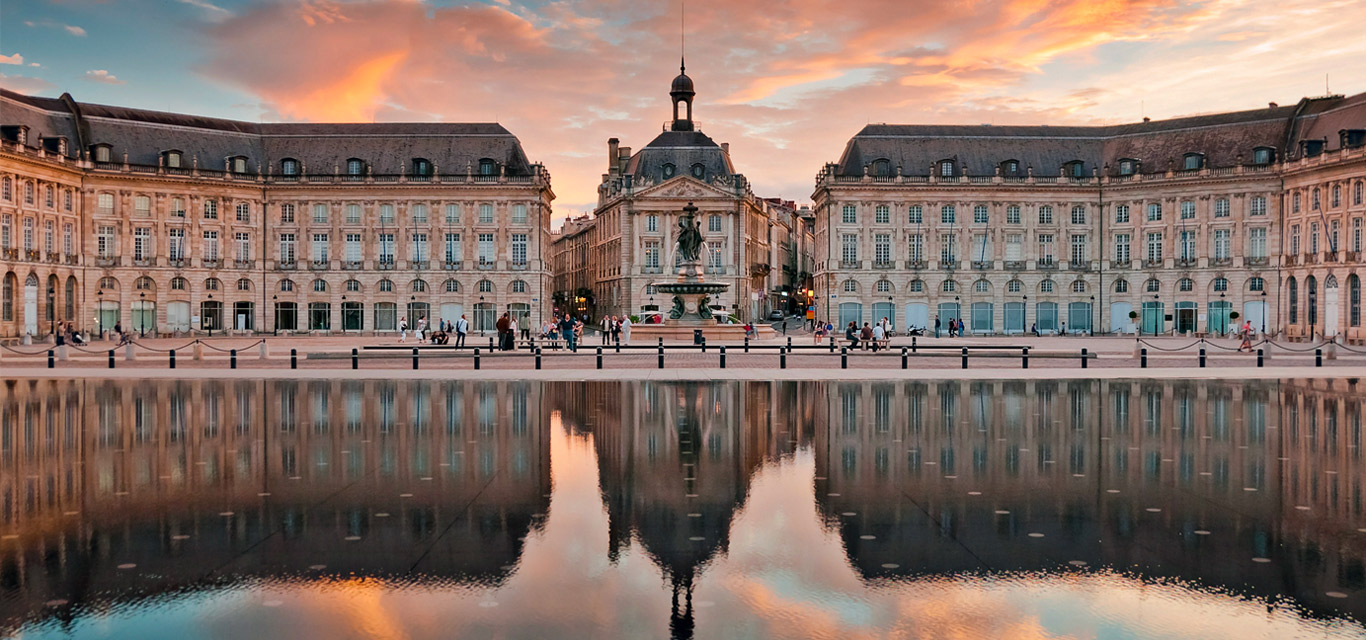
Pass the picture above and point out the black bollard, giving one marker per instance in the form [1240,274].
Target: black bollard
[293,358]
[832,344]
[232,358]
[782,357]
[1024,358]
[355,359]
[599,357]
[789,342]
[538,358]
[723,356]
[414,358]
[965,357]
[1083,358]
[1143,358]
[904,358]
[111,358]
[661,341]
[490,344]
[172,354]
[1202,357]
[746,344]
[51,358]
[704,344]
[1318,357]
[661,353]
[1259,358]
[476,359]
[844,357]
[913,344]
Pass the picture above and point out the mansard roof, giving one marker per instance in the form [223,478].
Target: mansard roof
[143,134]
[682,149]
[1224,139]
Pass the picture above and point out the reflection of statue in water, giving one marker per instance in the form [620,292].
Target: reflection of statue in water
[689,235]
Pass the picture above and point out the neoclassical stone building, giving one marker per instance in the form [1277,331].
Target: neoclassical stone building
[636,221]
[1150,227]
[176,223]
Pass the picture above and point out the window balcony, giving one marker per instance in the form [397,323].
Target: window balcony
[352,265]
[106,261]
[1080,265]
[1330,256]
[650,270]
[420,264]
[286,265]
[1121,264]
[211,263]
[884,264]
[451,265]
[485,265]
[33,255]
[1015,265]
[519,266]
[982,265]
[72,258]
[1309,258]
[1152,264]
[178,263]
[1221,262]
[241,264]
[916,264]
[1351,256]
[9,254]
[849,264]
[319,265]
[54,258]
[1046,264]
[144,262]
[1288,260]
[386,263]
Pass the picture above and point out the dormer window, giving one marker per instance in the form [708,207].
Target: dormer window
[172,159]
[237,164]
[699,171]
[1075,169]
[355,167]
[882,168]
[1010,168]
[55,145]
[1128,166]
[1192,161]
[102,153]
[945,168]
[1352,137]
[487,167]
[1311,148]
[669,170]
[15,133]
[289,167]
[1263,155]
[422,168]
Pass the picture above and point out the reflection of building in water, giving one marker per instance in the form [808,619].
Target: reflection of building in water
[674,462]
[94,474]
[955,476]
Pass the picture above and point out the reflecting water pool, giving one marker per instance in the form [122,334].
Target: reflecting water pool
[433,509]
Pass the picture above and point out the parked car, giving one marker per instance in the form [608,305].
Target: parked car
[775,315]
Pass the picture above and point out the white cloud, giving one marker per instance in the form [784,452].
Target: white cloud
[74,30]
[70,28]
[14,59]
[212,12]
[102,76]
[25,84]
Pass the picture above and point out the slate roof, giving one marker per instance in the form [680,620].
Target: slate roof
[1226,139]
[682,149]
[144,134]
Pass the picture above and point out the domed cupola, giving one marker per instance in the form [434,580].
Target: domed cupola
[682,92]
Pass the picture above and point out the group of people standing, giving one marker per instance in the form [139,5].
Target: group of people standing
[955,327]
[442,335]
[613,327]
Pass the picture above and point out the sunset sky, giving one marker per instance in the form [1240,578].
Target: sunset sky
[786,83]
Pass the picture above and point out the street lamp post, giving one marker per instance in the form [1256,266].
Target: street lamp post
[482,323]
[1157,322]
[142,315]
[1223,308]
[1263,314]
[99,311]
[1093,316]
[210,319]
[1024,314]
[52,310]
[275,326]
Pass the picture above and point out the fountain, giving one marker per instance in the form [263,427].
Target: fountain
[691,295]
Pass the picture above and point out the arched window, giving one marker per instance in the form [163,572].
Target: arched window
[320,285]
[286,285]
[1121,286]
[418,286]
[102,152]
[213,284]
[355,167]
[1220,284]
[353,285]
[289,167]
[881,168]
[669,170]
[179,284]
[144,284]
[519,286]
[949,286]
[386,286]
[1255,283]
[1292,290]
[699,171]
[851,286]
[243,284]
[237,164]
[981,286]
[1353,300]
[1046,286]
[883,286]
[1153,285]
[487,167]
[422,168]
[1075,169]
[1193,161]
[1185,284]
[917,286]
[485,286]
[946,168]
[1079,286]
[452,286]
[1014,286]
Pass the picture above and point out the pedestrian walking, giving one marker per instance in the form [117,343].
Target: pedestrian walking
[462,327]
[936,326]
[503,325]
[626,329]
[421,332]
[403,329]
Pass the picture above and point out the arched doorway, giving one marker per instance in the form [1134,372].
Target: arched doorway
[1331,309]
[31,304]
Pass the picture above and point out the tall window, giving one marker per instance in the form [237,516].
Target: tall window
[1292,288]
[175,249]
[353,213]
[652,223]
[243,212]
[849,249]
[243,242]
[210,249]
[420,214]
[1222,244]
[353,247]
[917,247]
[1122,248]
[714,254]
[1295,203]
[386,248]
[452,214]
[1046,253]
[486,249]
[519,241]
[1294,240]
[1046,214]
[287,213]
[1313,237]
[1078,255]
[882,248]
[713,223]
[883,214]
[28,234]
[979,214]
[1013,214]
[104,242]
[1187,210]
[1356,234]
[1121,214]
[210,209]
[1221,208]
[104,203]
[1155,246]
[386,214]
[420,251]
[319,214]
[142,206]
[287,248]
[1078,214]
[6,224]
[142,243]
[1257,206]
[1154,211]
[652,254]
[485,213]
[948,253]
[69,239]
[915,214]
[453,247]
[947,214]
[319,253]
[1188,245]
[1015,247]
[519,214]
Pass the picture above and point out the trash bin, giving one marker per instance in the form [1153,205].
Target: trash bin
[697,336]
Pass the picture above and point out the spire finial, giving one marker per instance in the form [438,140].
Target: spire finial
[682,34]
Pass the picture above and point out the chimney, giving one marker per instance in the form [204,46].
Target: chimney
[1147,119]
[1272,105]
[725,148]
[613,156]
[623,157]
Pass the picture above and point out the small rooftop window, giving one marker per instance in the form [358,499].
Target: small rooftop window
[1192,161]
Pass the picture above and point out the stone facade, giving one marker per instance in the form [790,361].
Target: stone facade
[145,235]
[1009,228]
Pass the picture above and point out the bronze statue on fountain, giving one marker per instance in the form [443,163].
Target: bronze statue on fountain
[691,295]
